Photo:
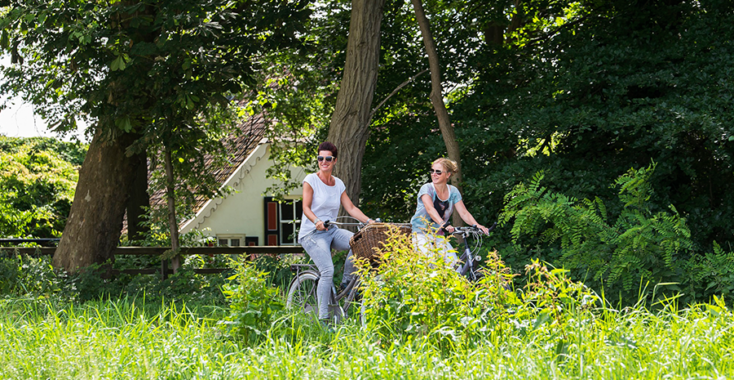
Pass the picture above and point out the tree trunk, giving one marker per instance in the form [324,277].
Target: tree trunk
[139,199]
[444,122]
[349,127]
[95,221]
[172,223]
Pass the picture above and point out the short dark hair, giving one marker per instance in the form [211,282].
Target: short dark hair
[330,147]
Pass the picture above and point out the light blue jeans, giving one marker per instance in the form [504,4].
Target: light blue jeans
[318,245]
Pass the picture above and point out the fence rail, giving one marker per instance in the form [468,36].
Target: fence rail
[164,271]
[153,251]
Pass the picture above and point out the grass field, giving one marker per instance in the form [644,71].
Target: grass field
[127,339]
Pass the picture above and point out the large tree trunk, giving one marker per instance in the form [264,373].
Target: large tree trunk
[139,199]
[349,127]
[95,221]
[444,123]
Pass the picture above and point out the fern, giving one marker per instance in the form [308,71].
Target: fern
[639,247]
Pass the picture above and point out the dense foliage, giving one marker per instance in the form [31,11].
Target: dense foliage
[582,92]
[37,181]
[155,79]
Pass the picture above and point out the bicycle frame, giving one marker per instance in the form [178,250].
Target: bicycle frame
[468,258]
[348,294]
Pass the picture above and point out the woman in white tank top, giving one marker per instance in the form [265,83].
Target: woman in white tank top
[323,194]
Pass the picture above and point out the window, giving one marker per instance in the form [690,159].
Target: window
[230,240]
[290,219]
[281,221]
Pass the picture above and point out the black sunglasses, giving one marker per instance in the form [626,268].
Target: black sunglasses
[439,172]
[327,158]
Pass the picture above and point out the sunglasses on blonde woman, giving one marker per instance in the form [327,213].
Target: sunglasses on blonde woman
[439,172]
[327,158]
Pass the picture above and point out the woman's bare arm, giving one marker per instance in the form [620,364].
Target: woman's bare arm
[307,200]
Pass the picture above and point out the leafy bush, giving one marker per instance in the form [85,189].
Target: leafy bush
[415,297]
[412,294]
[626,259]
[26,276]
[711,274]
[184,286]
[254,302]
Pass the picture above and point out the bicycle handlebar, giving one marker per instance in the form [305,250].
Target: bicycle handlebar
[474,228]
[328,222]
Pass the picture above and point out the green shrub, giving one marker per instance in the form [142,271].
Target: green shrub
[413,295]
[37,181]
[26,276]
[254,303]
[711,274]
[184,286]
[628,258]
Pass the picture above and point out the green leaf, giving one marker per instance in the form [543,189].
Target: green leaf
[118,64]
[542,318]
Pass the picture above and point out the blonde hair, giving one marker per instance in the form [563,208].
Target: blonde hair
[449,165]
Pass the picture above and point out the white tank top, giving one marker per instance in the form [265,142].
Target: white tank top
[325,203]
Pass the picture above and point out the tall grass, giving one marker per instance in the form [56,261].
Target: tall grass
[423,322]
[127,339]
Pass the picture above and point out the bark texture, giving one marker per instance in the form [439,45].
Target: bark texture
[444,122]
[349,126]
[95,221]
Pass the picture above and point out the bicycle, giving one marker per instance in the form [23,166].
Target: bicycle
[466,266]
[302,289]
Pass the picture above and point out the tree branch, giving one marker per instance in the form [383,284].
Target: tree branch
[395,91]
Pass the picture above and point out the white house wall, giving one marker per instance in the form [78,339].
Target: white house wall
[241,212]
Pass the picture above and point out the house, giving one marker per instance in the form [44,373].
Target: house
[248,216]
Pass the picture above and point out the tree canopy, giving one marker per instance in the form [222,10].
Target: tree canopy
[152,76]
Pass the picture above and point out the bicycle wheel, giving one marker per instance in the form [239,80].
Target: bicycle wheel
[302,295]
[474,275]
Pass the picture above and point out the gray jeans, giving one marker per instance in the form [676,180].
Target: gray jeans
[318,245]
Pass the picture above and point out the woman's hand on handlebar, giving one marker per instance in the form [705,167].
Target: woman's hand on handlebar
[448,228]
[321,226]
[485,230]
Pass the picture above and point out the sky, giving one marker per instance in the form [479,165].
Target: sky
[18,120]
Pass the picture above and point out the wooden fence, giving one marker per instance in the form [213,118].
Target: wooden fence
[158,251]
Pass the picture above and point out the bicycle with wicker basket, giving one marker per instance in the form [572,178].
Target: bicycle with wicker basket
[343,302]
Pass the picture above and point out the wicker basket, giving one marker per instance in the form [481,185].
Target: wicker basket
[365,242]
